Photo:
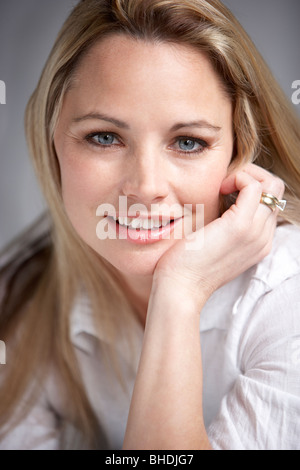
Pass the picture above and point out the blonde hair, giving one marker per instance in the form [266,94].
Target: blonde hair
[266,132]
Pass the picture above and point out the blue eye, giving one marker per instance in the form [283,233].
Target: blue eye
[104,138]
[189,145]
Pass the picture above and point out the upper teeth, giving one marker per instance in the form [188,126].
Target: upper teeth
[146,224]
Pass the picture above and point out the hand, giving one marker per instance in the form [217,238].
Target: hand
[237,240]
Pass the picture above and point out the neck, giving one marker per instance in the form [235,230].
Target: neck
[138,289]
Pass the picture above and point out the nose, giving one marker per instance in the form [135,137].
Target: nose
[146,177]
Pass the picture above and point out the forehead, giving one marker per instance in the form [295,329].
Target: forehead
[138,71]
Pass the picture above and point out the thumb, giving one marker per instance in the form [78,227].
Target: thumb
[229,185]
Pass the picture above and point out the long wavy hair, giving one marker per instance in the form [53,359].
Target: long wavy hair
[40,294]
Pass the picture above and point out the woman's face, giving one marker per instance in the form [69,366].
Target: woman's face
[149,122]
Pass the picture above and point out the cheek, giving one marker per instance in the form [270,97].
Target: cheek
[85,182]
[78,186]
[83,190]
[206,190]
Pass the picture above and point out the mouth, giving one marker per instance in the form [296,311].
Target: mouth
[143,230]
[134,223]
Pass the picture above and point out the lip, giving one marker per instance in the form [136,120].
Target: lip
[149,215]
[142,236]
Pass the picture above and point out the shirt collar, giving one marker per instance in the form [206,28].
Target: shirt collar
[82,328]
[86,335]
[284,260]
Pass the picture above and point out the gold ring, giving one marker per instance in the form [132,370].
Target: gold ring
[272,202]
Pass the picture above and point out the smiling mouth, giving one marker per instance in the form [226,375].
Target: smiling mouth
[140,229]
[140,224]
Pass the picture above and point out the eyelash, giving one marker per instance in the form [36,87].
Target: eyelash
[203,144]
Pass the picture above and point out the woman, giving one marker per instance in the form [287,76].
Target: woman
[166,106]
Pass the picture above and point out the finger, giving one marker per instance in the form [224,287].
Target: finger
[270,183]
[249,195]
[228,185]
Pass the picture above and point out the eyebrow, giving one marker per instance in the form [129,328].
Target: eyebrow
[203,124]
[123,125]
[102,117]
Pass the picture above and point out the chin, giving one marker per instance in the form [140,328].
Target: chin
[134,267]
[133,263]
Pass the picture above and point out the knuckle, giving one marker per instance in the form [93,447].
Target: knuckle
[278,186]
[257,186]
[281,187]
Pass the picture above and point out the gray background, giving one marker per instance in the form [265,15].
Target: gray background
[27,31]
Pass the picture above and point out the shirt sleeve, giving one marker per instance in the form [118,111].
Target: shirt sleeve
[262,410]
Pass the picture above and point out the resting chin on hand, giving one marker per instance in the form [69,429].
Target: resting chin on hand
[166,409]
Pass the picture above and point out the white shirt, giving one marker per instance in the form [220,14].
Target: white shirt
[250,339]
